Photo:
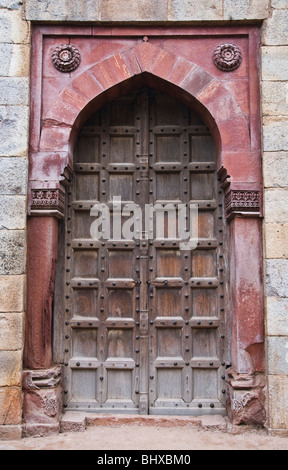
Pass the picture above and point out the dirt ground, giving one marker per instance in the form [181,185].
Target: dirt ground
[138,437]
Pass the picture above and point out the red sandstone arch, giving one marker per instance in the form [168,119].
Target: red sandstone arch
[145,64]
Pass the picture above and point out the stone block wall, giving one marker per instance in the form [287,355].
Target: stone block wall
[275,166]
[16,17]
[146,11]
[14,125]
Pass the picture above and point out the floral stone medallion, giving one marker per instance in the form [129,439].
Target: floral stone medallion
[227,57]
[66,58]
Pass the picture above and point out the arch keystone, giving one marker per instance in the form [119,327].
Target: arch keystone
[146,55]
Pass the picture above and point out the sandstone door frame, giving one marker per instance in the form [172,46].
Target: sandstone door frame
[151,57]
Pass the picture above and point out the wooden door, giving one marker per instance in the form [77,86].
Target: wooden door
[144,320]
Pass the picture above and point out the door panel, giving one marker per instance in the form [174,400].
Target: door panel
[145,320]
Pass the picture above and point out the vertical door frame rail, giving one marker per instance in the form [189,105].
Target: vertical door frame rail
[236,130]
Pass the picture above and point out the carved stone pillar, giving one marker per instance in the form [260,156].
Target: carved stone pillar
[42,380]
[245,378]
[47,206]
[246,403]
[41,269]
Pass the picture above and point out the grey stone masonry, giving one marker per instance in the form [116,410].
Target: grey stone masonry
[12,252]
[11,4]
[274,73]
[15,43]
[13,176]
[146,10]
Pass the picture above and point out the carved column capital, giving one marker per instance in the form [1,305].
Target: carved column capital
[241,198]
[48,202]
[242,202]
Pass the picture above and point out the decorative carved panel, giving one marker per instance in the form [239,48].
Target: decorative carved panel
[242,201]
[48,202]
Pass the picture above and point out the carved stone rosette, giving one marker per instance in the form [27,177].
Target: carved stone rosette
[66,58]
[227,57]
[50,202]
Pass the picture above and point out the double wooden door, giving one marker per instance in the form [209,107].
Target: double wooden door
[144,328]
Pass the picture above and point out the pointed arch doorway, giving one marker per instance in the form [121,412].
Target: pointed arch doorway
[144,320]
[229,105]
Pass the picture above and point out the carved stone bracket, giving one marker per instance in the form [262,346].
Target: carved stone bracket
[246,398]
[48,202]
[42,406]
[37,379]
[242,201]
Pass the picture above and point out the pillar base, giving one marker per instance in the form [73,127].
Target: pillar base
[42,407]
[246,398]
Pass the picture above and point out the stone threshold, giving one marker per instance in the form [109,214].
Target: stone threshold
[73,421]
